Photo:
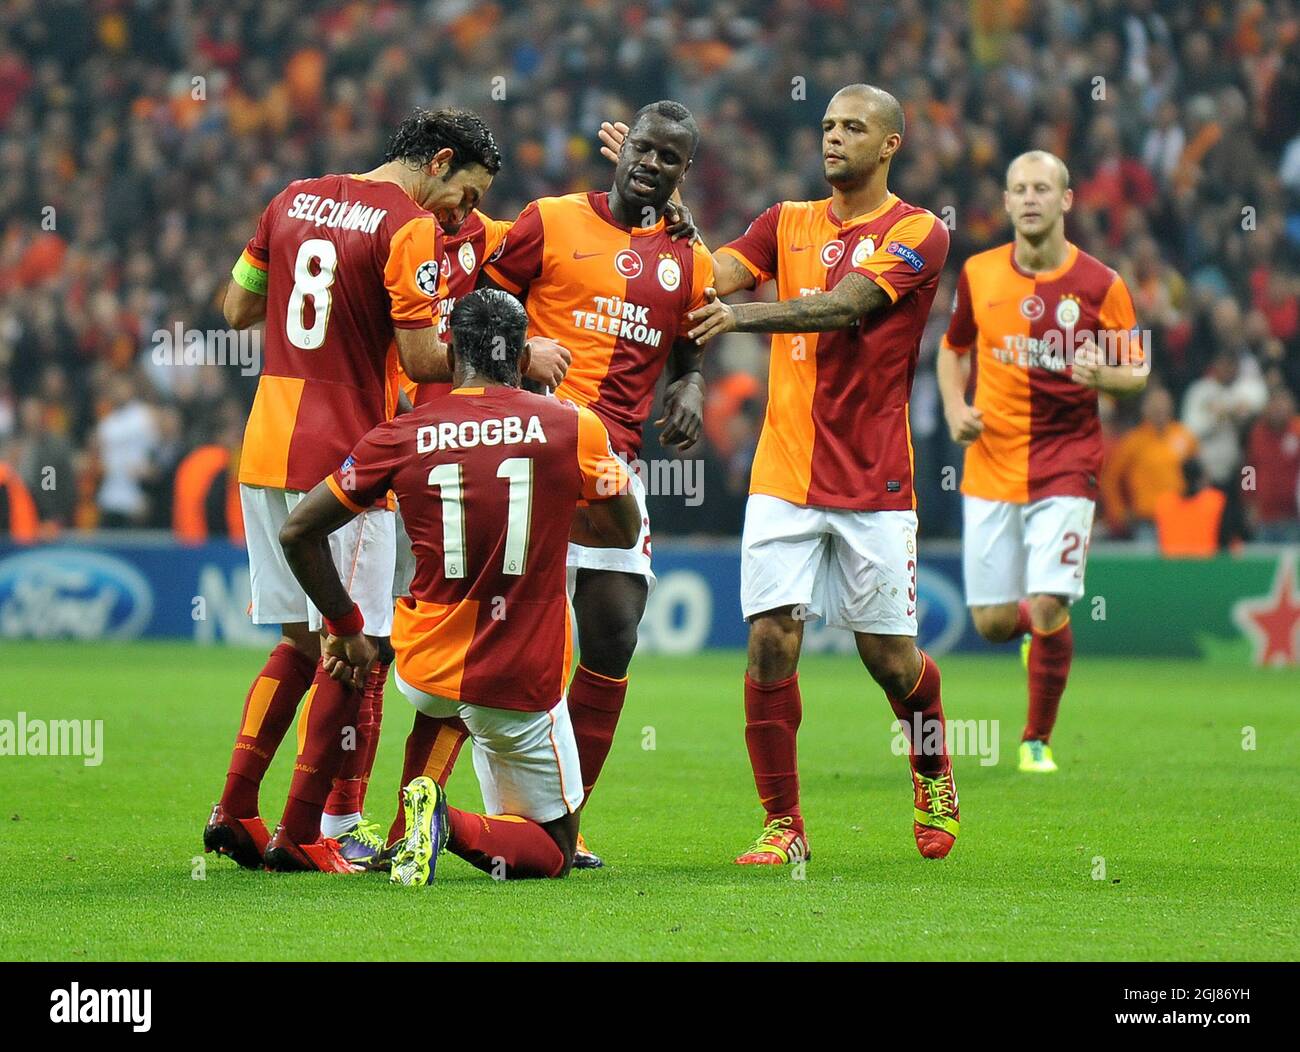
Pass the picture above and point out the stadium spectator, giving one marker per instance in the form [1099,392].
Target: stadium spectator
[1188,524]
[1145,463]
[1273,455]
[1219,405]
[142,140]
[126,441]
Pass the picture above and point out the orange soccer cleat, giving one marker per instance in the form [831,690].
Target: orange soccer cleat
[323,856]
[242,839]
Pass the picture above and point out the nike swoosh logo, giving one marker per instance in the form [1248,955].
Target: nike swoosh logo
[998,303]
[800,248]
[585,255]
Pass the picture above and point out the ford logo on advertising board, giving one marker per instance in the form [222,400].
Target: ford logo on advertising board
[72,593]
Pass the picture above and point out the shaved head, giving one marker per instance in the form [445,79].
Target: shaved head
[1042,157]
[882,105]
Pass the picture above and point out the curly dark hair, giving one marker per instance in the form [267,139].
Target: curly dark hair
[425,132]
[488,328]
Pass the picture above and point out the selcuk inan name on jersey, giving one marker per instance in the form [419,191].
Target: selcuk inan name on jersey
[622,319]
[336,215]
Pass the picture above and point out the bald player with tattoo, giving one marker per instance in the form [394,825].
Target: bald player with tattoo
[830,526]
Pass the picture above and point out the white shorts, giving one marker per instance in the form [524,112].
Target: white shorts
[526,762]
[1010,551]
[854,569]
[627,560]
[363,550]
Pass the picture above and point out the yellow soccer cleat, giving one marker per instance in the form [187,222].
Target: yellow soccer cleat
[780,843]
[1036,757]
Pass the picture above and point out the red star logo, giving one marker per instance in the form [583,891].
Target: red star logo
[1273,621]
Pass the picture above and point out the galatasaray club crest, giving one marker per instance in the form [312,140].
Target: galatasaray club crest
[831,252]
[1272,622]
[628,263]
[866,248]
[1067,311]
[466,257]
[669,274]
[1032,307]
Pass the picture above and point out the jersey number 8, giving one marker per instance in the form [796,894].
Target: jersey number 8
[315,287]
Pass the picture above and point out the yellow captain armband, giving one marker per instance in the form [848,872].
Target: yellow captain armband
[248,275]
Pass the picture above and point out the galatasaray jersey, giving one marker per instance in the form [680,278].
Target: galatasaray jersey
[1042,434]
[488,480]
[347,260]
[462,258]
[836,431]
[616,296]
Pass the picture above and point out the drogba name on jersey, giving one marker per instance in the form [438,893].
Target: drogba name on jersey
[488,480]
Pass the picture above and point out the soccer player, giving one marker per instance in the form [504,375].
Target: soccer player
[489,479]
[1037,314]
[341,267]
[601,274]
[830,526]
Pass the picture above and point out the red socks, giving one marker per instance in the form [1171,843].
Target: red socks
[269,707]
[1024,623]
[1050,654]
[595,702]
[330,707]
[772,715]
[348,795]
[431,750]
[922,711]
[504,845]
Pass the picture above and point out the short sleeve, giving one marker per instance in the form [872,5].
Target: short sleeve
[603,474]
[702,278]
[962,330]
[494,232]
[412,273]
[756,248]
[365,477]
[517,259]
[1118,323]
[251,272]
[912,253]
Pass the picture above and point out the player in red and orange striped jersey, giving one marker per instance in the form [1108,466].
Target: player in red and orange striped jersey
[341,267]
[1031,315]
[603,274]
[490,479]
[830,529]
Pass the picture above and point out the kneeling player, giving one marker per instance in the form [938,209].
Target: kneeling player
[1033,436]
[489,478]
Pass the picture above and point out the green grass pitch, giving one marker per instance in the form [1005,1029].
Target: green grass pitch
[1195,831]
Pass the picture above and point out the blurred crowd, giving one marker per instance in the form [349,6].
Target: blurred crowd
[141,139]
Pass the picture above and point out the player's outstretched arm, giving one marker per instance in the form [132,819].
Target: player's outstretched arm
[683,416]
[852,299]
[347,655]
[730,275]
[242,307]
[423,355]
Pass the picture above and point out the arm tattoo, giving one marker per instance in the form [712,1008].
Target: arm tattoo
[730,275]
[852,299]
